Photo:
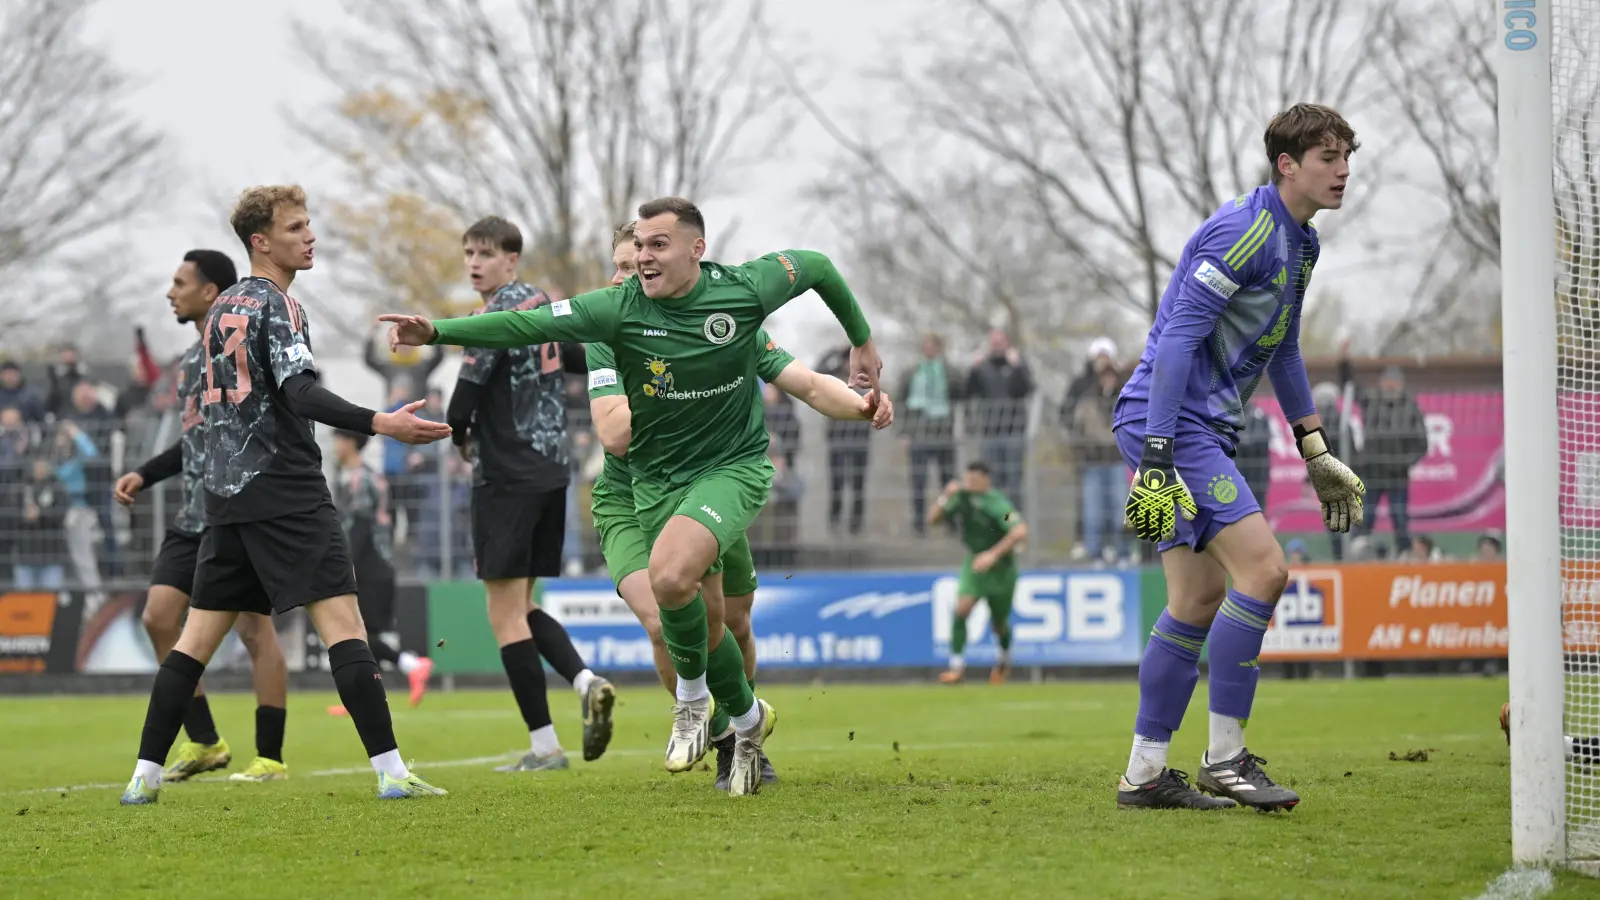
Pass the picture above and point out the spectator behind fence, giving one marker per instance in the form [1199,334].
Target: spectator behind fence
[404,372]
[14,392]
[1395,438]
[1102,476]
[1296,553]
[37,507]
[64,374]
[1490,547]
[931,392]
[998,388]
[783,428]
[97,423]
[72,452]
[1422,549]
[847,452]
[1325,394]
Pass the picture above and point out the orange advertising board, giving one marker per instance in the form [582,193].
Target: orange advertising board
[26,623]
[1444,610]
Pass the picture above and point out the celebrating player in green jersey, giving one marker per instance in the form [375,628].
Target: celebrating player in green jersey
[622,540]
[991,529]
[685,332]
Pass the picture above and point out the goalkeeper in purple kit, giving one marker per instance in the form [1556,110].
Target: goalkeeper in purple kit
[1230,315]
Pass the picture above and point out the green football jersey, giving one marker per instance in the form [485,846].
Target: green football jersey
[687,364]
[615,478]
[983,519]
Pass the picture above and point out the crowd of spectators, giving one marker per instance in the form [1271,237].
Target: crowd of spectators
[66,429]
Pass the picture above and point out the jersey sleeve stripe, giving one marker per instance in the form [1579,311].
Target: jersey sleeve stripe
[1252,241]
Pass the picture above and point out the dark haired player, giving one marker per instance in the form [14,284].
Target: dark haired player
[361,495]
[1230,315]
[201,276]
[991,529]
[684,333]
[272,541]
[509,416]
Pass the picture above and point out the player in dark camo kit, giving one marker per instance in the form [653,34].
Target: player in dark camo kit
[509,415]
[991,529]
[200,278]
[684,334]
[272,541]
[361,495]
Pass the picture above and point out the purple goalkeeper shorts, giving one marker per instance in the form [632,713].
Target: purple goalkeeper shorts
[1220,492]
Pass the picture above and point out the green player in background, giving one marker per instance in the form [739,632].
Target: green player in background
[991,529]
[684,332]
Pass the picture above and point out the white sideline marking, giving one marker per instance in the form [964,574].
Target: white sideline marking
[1519,884]
[855,746]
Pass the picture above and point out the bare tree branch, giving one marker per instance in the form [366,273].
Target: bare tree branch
[561,115]
[73,164]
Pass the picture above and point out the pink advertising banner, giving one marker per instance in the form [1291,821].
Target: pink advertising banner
[1458,486]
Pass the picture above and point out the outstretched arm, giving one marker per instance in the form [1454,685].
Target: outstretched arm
[588,317]
[781,277]
[310,399]
[832,397]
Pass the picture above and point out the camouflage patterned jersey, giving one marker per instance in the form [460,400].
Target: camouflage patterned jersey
[362,497]
[519,430]
[261,458]
[191,518]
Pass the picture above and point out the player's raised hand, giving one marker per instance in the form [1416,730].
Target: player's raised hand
[1158,495]
[127,487]
[408,331]
[404,426]
[879,409]
[1338,489]
[865,366]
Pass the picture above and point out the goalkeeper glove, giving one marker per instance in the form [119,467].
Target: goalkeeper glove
[1338,489]
[1158,495]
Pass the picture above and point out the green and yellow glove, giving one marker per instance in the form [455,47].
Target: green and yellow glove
[1338,489]
[1158,495]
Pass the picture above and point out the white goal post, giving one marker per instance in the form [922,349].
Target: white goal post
[1548,66]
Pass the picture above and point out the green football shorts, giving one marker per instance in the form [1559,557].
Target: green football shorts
[994,587]
[725,500]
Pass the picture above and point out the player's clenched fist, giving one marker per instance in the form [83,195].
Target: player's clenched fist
[1158,495]
[408,331]
[127,486]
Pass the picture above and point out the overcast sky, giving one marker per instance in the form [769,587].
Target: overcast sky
[204,65]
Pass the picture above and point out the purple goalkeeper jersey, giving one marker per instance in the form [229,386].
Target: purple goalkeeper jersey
[1230,314]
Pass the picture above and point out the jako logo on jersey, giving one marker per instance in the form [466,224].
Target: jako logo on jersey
[711,512]
[719,328]
[655,332]
[1212,277]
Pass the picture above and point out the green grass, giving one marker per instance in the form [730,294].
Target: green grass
[992,793]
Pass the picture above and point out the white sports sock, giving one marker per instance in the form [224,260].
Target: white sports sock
[408,662]
[544,740]
[1148,758]
[957,664]
[391,764]
[1227,739]
[581,682]
[150,771]
[692,688]
[718,737]
[1005,657]
[750,721]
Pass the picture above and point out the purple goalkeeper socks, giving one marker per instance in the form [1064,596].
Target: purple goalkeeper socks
[1167,676]
[1236,636]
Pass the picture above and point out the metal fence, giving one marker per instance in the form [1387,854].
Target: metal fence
[845,497]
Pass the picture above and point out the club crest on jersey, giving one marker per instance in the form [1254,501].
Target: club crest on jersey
[660,379]
[719,328]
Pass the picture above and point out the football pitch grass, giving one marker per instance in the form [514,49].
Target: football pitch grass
[890,790]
